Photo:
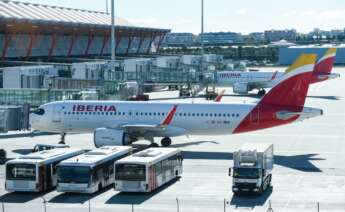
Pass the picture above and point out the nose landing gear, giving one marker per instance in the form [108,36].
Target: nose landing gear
[62,138]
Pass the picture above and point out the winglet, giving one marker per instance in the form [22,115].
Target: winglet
[220,96]
[170,116]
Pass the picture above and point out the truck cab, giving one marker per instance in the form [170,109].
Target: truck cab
[252,170]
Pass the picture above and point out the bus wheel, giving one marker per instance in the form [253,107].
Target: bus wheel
[166,142]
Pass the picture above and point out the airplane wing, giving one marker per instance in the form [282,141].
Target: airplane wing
[139,130]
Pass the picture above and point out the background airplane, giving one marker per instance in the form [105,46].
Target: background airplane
[243,82]
[122,123]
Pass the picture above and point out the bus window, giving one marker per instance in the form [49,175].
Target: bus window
[73,174]
[21,172]
[130,172]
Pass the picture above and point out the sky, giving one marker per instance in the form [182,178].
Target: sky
[242,16]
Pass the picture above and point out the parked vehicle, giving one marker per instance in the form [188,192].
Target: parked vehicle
[36,172]
[253,165]
[91,171]
[147,170]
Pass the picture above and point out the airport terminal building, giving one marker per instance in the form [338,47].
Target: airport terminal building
[33,30]
[288,54]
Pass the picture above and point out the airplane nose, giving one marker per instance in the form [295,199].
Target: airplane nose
[34,121]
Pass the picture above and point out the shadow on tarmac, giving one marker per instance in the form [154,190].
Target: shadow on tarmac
[19,197]
[22,151]
[76,198]
[326,97]
[137,198]
[25,135]
[195,143]
[251,201]
[297,162]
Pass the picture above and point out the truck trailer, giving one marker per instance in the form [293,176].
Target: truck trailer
[252,169]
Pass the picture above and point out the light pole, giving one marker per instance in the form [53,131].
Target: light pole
[202,35]
[202,27]
[112,31]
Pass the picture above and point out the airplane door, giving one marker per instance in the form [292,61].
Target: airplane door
[57,114]
[255,116]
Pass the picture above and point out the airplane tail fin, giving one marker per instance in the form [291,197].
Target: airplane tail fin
[325,64]
[292,89]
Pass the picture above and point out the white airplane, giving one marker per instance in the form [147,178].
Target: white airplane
[243,82]
[122,123]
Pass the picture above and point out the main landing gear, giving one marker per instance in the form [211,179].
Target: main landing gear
[166,142]
[262,92]
[62,138]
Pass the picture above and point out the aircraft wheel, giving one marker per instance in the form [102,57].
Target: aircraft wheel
[166,142]
[262,92]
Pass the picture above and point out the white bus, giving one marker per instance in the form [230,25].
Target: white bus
[91,171]
[36,172]
[147,170]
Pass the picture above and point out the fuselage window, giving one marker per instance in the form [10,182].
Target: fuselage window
[238,115]
[141,113]
[215,115]
[193,114]
[158,114]
[211,115]
[77,113]
[150,114]
[201,114]
[154,114]
[188,114]
[184,114]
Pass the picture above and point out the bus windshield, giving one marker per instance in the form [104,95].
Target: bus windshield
[130,172]
[248,173]
[21,172]
[73,174]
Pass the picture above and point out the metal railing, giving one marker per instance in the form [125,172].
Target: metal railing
[44,205]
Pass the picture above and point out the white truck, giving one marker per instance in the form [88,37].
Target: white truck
[252,170]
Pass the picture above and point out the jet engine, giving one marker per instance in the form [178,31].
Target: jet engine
[111,137]
[241,88]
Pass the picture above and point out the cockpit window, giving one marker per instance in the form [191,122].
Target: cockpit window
[39,112]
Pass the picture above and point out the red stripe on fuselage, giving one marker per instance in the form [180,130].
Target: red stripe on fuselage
[170,116]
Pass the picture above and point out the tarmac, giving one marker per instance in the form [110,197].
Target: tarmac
[309,169]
